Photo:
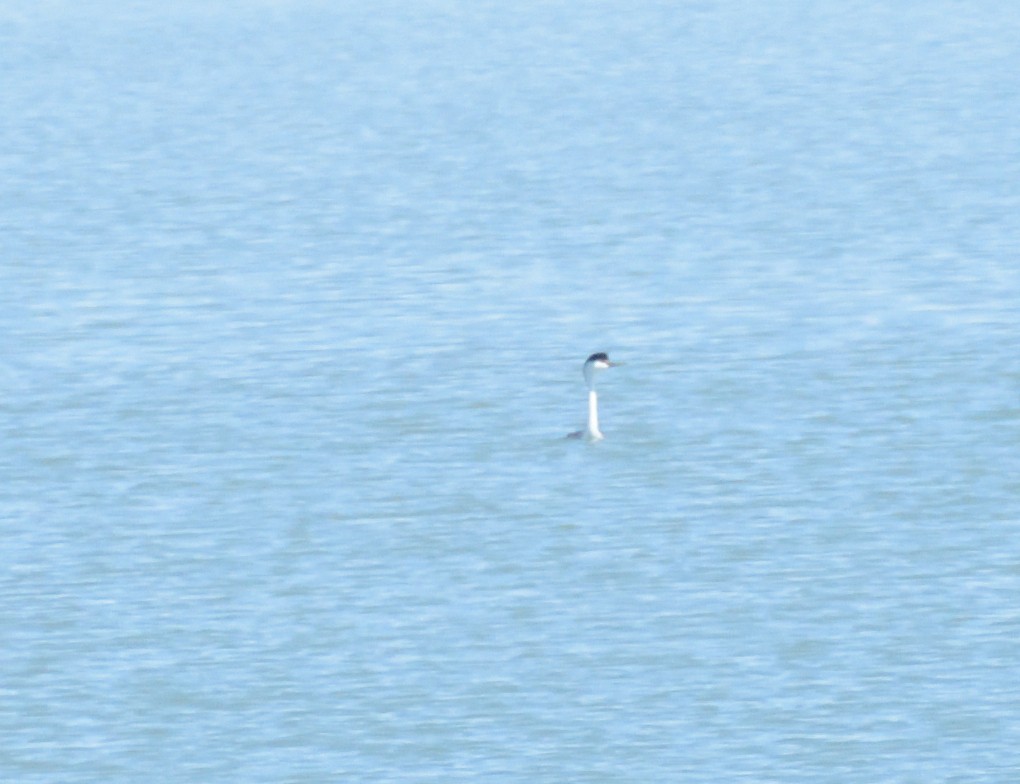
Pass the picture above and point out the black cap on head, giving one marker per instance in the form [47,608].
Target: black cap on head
[599,356]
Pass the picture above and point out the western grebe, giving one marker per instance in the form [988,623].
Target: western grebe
[592,365]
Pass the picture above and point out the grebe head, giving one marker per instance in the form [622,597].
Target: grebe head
[596,362]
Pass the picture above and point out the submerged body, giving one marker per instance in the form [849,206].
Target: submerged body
[594,363]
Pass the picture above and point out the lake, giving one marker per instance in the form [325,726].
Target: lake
[294,298]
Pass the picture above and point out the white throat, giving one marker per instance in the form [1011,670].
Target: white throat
[593,433]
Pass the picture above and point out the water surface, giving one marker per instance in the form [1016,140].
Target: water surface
[294,298]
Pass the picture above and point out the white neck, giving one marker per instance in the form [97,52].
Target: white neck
[593,431]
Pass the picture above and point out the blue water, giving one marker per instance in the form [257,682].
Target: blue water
[293,302]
